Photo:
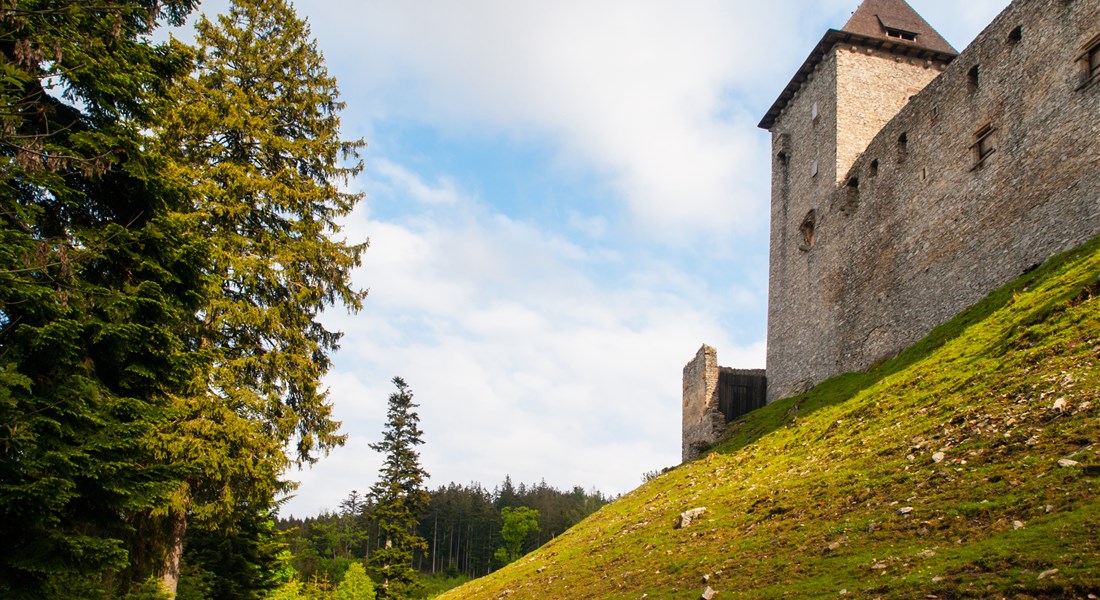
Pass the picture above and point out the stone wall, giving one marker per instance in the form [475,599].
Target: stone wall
[932,227]
[871,87]
[855,92]
[798,142]
[703,420]
[713,396]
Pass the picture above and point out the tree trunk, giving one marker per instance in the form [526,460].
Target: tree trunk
[451,546]
[177,527]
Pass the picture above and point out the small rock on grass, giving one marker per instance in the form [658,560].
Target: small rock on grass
[1066,462]
[1047,573]
[708,593]
[938,457]
[685,519]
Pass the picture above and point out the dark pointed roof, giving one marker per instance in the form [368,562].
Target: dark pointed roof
[888,25]
[896,21]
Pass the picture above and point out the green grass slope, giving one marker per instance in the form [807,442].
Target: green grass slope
[967,467]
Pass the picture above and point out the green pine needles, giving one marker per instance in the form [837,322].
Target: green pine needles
[399,496]
[168,239]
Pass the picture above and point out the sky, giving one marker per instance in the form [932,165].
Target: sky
[564,199]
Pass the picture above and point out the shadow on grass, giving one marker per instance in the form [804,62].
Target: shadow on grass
[749,428]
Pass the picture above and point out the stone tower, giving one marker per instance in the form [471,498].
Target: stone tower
[855,81]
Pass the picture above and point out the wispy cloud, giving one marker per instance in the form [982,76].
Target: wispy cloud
[413,187]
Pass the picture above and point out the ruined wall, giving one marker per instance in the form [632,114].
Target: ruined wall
[713,396]
[932,227]
[703,420]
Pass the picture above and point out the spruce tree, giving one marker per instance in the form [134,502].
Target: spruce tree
[100,278]
[356,585]
[256,133]
[399,496]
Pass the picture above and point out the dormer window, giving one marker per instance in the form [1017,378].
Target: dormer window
[901,34]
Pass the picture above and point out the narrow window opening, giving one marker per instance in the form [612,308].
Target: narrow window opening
[903,146]
[814,113]
[851,196]
[783,163]
[1016,35]
[808,231]
[813,169]
[973,75]
[874,168]
[924,173]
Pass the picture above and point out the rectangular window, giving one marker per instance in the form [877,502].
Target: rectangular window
[901,34]
[983,144]
[1089,59]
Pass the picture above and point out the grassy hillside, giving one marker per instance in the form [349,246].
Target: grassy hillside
[967,467]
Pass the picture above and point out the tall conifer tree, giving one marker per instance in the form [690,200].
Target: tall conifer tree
[256,134]
[100,278]
[399,496]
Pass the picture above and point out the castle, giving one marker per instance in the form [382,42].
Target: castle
[909,181]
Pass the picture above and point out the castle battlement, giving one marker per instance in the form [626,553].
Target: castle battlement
[908,183]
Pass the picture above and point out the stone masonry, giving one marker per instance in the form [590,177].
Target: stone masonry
[703,419]
[919,226]
[908,182]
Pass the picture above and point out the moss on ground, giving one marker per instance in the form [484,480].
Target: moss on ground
[966,467]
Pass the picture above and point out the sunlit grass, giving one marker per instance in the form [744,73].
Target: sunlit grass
[935,474]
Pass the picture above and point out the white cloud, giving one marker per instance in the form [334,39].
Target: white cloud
[525,361]
[636,91]
[661,99]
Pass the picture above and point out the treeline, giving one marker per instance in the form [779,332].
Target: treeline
[462,526]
